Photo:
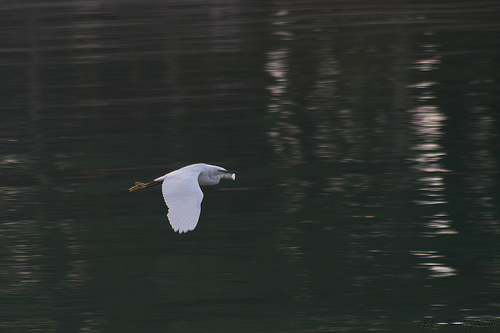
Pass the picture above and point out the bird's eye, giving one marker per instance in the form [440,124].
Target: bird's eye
[222,170]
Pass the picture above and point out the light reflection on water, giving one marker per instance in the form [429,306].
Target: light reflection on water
[428,123]
[436,270]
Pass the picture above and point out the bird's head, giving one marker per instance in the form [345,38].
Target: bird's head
[211,174]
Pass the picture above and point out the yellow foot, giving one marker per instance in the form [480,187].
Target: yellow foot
[137,186]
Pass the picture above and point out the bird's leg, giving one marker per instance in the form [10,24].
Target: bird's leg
[140,186]
[137,186]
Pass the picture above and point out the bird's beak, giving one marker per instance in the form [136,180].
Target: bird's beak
[229,174]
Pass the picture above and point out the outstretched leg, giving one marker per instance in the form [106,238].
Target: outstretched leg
[140,186]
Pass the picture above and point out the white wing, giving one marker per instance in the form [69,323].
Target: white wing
[183,196]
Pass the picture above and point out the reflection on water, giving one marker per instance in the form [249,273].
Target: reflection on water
[428,123]
[436,270]
[35,279]
[369,193]
[483,181]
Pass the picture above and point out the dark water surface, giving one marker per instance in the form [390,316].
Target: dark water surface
[367,134]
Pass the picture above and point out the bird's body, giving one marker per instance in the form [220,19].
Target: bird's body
[182,192]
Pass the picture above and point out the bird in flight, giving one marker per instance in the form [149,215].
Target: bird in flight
[182,192]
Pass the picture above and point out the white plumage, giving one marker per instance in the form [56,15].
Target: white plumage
[182,192]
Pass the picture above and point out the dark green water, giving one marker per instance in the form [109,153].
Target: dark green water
[367,135]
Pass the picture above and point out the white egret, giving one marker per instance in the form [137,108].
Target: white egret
[182,192]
